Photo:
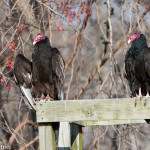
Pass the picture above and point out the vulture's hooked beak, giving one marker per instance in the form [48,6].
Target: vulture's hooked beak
[34,43]
[129,41]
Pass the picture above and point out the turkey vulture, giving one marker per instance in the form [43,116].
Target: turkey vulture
[137,67]
[43,77]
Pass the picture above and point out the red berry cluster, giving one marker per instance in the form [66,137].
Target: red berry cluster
[12,46]
[9,86]
[21,29]
[10,63]
[69,10]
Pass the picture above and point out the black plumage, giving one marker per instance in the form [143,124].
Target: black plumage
[44,76]
[137,66]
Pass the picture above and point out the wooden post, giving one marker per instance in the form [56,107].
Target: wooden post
[47,137]
[76,137]
[64,141]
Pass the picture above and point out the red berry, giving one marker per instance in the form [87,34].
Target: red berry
[70,20]
[2,80]
[24,28]
[85,19]
[59,28]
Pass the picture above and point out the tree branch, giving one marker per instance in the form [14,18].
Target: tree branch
[29,143]
[18,129]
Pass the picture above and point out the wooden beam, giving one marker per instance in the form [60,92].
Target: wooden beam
[93,110]
[108,122]
[47,137]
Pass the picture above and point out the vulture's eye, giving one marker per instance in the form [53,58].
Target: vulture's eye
[39,38]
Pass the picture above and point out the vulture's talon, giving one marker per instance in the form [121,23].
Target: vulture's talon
[135,103]
[140,98]
[146,99]
[49,98]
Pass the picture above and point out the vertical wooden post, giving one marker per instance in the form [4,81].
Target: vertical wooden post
[64,141]
[47,136]
[76,137]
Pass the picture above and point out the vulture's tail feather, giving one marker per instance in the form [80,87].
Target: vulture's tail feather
[29,101]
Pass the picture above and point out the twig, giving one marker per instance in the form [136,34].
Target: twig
[75,47]
[71,77]
[105,37]
[135,138]
[102,62]
[98,22]
[29,143]
[51,21]
[110,44]
[9,127]
[56,13]
[18,129]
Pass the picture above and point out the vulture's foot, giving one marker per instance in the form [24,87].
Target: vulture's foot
[49,98]
[40,98]
[44,98]
[146,98]
[138,97]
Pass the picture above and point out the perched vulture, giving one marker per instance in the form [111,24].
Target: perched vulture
[43,77]
[137,67]
[47,70]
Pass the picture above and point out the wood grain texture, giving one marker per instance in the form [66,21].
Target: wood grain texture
[46,137]
[92,110]
[64,140]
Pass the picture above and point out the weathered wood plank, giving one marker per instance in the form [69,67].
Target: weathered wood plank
[82,110]
[47,137]
[76,137]
[108,122]
[64,140]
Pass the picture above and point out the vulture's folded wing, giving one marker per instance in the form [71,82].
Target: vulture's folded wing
[23,77]
[147,61]
[58,67]
[129,71]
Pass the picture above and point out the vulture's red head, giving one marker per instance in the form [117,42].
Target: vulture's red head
[39,37]
[133,37]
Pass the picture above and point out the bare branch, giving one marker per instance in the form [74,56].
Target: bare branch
[29,143]
[75,47]
[50,17]
[19,128]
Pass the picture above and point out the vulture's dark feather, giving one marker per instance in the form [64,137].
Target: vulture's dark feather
[58,67]
[22,75]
